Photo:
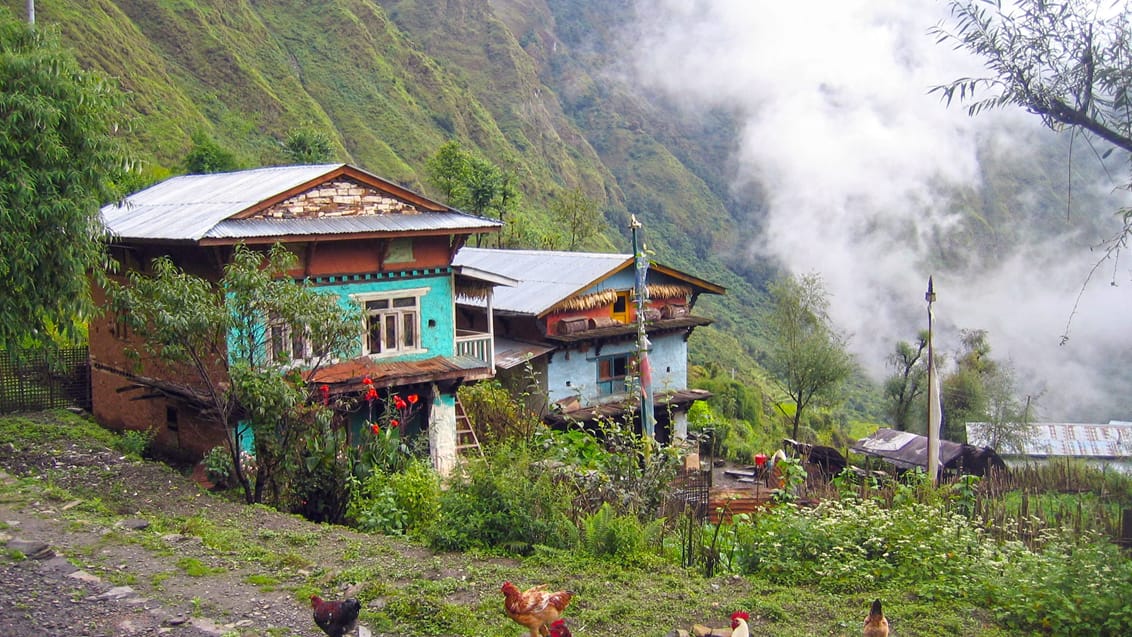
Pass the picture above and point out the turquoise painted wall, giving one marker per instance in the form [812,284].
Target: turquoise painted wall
[438,328]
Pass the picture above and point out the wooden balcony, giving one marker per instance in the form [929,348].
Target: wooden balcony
[478,345]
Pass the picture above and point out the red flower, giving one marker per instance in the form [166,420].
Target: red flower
[393,422]
[325,391]
[413,398]
[398,403]
[375,428]
[367,381]
[371,394]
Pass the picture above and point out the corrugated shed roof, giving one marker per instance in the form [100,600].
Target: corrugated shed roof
[253,228]
[1079,440]
[189,206]
[196,207]
[347,376]
[905,450]
[510,353]
[545,277]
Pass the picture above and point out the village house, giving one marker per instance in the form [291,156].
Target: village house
[357,236]
[569,325]
[1102,446]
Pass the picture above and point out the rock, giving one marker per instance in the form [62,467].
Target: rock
[676,632]
[117,593]
[699,630]
[135,524]
[31,549]
[83,576]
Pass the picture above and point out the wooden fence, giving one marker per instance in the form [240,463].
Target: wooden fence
[44,379]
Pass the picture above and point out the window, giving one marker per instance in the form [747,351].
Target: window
[392,322]
[621,307]
[286,345]
[611,372]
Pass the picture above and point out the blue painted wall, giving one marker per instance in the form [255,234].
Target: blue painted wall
[668,357]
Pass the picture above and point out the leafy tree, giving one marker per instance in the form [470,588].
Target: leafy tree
[308,146]
[1006,426]
[1067,61]
[909,380]
[447,170]
[578,215]
[806,354]
[227,335]
[472,183]
[61,159]
[207,156]
[964,391]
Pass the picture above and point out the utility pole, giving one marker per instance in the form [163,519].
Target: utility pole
[31,11]
[644,369]
[934,410]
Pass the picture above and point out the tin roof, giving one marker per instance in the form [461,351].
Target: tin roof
[196,207]
[905,450]
[510,353]
[546,277]
[1079,440]
[368,224]
[347,376]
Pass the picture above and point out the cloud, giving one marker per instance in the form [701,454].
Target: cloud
[856,157]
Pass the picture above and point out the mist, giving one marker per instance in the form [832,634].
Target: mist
[855,157]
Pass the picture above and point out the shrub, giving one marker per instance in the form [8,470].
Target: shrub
[854,546]
[502,503]
[397,503]
[620,538]
[1071,587]
[135,442]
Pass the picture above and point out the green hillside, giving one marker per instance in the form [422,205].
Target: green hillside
[524,83]
[531,85]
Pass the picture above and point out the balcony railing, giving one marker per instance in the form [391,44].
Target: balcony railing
[477,345]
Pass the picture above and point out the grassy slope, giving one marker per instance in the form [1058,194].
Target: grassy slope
[391,82]
[406,589]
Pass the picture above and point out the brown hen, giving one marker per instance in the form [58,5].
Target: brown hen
[534,608]
[875,624]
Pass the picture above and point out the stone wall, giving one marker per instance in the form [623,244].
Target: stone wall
[339,198]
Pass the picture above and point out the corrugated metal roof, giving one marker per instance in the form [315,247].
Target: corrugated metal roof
[1078,440]
[545,277]
[509,353]
[347,375]
[905,450]
[196,207]
[252,228]
[188,206]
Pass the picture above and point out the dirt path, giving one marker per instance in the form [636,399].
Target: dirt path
[68,571]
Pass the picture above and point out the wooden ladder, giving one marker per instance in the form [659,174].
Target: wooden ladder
[465,433]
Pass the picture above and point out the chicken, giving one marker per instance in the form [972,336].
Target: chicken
[536,608]
[739,626]
[335,618]
[558,628]
[875,624]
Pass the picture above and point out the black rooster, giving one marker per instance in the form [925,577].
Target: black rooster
[335,618]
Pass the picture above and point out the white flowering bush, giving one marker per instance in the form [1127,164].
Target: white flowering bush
[1072,586]
[856,545]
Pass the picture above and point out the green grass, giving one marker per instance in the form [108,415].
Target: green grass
[406,589]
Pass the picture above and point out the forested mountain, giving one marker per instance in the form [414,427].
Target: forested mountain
[535,86]
[529,85]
